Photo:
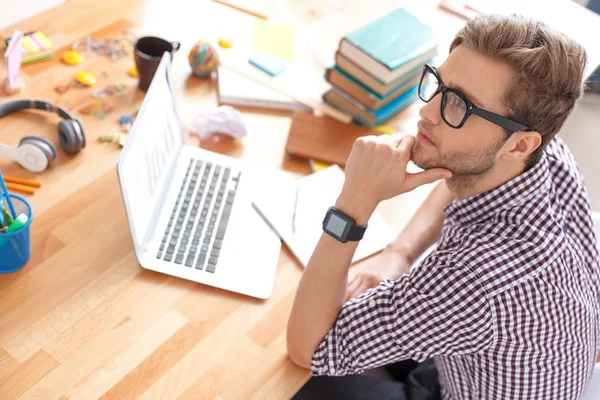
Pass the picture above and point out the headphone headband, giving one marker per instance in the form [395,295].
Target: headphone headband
[36,104]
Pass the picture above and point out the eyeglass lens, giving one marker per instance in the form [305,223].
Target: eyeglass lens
[453,106]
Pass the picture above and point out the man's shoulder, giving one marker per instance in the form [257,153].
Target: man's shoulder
[561,163]
[499,254]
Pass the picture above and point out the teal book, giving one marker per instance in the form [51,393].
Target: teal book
[363,94]
[388,45]
[364,115]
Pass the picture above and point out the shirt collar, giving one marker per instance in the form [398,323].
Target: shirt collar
[510,194]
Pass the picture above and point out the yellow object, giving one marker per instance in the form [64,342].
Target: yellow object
[387,129]
[41,38]
[277,39]
[133,72]
[36,47]
[225,43]
[86,78]
[28,44]
[72,57]
[316,166]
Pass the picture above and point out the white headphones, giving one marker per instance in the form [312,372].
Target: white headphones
[35,153]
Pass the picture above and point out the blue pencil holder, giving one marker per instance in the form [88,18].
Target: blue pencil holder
[15,248]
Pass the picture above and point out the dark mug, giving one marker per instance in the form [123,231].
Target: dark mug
[148,52]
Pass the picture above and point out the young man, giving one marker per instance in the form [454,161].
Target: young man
[507,305]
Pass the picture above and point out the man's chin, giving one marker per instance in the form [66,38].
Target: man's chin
[424,162]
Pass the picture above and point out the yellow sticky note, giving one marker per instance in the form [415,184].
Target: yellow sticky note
[277,39]
[29,45]
[43,40]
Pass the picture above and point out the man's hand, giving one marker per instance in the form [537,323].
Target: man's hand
[389,264]
[376,169]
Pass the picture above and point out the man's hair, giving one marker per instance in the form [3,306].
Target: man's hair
[548,68]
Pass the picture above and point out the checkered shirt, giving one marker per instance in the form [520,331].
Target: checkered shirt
[507,304]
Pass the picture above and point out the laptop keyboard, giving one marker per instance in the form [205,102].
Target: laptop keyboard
[196,228]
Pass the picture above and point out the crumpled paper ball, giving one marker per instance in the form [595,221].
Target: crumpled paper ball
[224,119]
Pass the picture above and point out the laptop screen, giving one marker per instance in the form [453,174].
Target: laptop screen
[152,147]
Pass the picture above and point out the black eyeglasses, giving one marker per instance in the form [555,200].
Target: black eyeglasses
[455,108]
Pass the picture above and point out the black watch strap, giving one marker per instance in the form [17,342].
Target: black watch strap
[357,233]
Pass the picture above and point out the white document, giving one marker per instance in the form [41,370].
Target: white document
[275,199]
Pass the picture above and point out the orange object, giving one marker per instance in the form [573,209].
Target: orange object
[20,188]
[244,10]
[22,181]
[133,72]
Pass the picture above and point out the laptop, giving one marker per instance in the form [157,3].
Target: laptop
[190,210]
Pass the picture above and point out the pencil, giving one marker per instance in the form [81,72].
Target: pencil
[244,10]
[20,188]
[22,181]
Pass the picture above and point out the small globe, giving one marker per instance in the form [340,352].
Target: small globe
[203,59]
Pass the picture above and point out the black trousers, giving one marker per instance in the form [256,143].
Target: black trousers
[412,381]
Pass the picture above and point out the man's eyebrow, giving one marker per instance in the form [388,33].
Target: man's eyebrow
[467,94]
[460,89]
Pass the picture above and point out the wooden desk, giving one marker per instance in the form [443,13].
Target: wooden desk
[82,320]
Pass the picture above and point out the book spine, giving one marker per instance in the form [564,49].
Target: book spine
[338,54]
[351,89]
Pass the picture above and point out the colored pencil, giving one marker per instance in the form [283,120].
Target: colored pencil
[23,181]
[20,188]
[244,10]
[8,201]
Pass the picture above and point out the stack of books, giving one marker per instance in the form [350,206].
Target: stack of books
[378,67]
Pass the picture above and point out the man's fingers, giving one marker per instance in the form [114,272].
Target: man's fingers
[428,176]
[352,279]
[396,139]
[405,146]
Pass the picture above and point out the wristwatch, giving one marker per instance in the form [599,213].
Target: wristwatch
[342,227]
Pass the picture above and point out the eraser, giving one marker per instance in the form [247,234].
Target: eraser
[18,223]
[268,62]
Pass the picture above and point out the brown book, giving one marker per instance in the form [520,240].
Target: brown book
[370,81]
[323,138]
[369,100]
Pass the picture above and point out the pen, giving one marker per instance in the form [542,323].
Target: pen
[8,201]
[295,207]
[242,9]
[261,215]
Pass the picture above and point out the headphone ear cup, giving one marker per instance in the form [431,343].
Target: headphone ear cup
[43,144]
[70,134]
[34,154]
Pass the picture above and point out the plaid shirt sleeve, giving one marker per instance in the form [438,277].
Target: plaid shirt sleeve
[437,309]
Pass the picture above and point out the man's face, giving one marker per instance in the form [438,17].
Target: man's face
[472,149]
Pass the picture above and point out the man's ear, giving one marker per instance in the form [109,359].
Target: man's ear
[521,144]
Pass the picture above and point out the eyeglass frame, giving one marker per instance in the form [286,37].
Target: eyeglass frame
[504,122]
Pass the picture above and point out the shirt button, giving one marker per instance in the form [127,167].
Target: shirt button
[372,303]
